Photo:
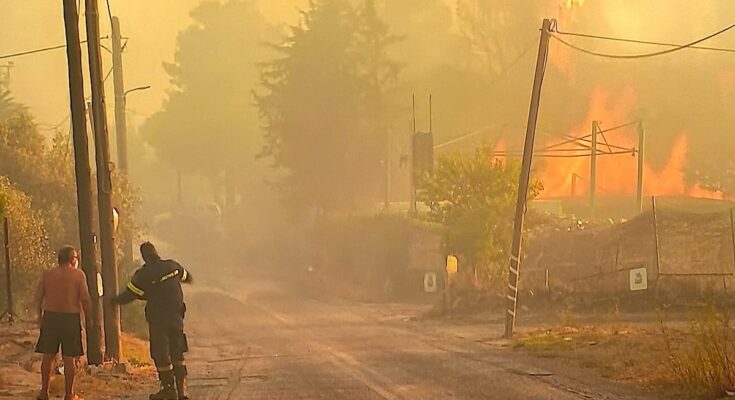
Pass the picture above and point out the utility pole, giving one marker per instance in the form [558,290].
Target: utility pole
[412,206]
[641,163]
[593,165]
[121,127]
[83,174]
[113,347]
[525,177]
[387,171]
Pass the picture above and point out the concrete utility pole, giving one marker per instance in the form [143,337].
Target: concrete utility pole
[525,177]
[593,165]
[83,179]
[641,163]
[121,126]
[113,347]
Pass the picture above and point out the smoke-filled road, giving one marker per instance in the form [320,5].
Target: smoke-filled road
[270,343]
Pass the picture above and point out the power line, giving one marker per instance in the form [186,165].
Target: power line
[109,11]
[25,53]
[41,50]
[643,55]
[614,39]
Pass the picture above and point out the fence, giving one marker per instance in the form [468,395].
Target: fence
[678,249]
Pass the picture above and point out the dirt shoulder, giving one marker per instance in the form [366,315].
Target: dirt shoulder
[680,355]
[20,366]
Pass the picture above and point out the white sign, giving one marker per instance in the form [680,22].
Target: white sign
[638,279]
[430,285]
[100,289]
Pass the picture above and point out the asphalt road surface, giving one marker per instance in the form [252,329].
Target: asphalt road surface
[266,341]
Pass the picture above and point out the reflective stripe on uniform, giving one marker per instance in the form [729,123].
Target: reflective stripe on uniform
[135,289]
[166,368]
[181,363]
[169,276]
[184,275]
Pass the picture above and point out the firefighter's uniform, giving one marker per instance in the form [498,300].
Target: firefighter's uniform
[159,284]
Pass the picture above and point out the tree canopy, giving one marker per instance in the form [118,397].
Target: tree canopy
[323,100]
[474,198]
[208,122]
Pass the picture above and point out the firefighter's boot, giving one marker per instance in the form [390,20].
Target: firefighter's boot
[180,373]
[168,390]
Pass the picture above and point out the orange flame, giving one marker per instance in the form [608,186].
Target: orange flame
[616,174]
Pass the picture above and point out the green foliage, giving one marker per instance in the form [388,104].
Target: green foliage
[37,182]
[323,106]
[44,174]
[29,251]
[474,197]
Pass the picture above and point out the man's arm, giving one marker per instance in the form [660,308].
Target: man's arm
[127,296]
[38,297]
[84,295]
[185,274]
[134,290]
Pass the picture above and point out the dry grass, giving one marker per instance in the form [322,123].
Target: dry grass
[624,354]
[701,361]
[694,361]
[110,384]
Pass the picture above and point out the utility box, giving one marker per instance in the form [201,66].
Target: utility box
[423,153]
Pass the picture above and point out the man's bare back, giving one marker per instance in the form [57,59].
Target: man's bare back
[63,289]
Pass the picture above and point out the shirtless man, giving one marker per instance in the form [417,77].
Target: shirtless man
[60,298]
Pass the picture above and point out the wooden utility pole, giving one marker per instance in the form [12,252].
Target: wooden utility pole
[113,347]
[524,180]
[593,165]
[641,163]
[83,179]
[121,127]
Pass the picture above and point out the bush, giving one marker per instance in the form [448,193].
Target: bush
[474,198]
[29,250]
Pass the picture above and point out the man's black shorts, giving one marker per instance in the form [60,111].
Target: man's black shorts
[60,329]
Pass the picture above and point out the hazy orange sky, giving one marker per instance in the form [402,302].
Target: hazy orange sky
[40,81]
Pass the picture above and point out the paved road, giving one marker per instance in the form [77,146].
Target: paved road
[265,342]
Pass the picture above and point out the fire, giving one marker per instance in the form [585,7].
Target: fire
[572,3]
[616,174]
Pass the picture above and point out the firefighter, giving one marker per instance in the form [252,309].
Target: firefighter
[158,282]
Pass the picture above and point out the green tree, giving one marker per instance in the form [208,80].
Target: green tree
[29,250]
[46,175]
[474,198]
[208,123]
[323,104]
